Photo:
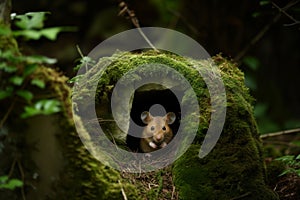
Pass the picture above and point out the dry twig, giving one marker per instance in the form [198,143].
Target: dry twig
[265,29]
[125,11]
[279,133]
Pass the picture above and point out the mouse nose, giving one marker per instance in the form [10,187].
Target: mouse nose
[158,137]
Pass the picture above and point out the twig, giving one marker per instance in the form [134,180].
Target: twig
[130,13]
[12,168]
[23,179]
[173,192]
[122,190]
[241,196]
[263,31]
[7,113]
[279,133]
[288,144]
[286,14]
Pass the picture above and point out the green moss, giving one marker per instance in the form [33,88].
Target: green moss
[83,177]
[235,168]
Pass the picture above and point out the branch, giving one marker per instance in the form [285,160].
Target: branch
[279,133]
[130,13]
[264,30]
[286,14]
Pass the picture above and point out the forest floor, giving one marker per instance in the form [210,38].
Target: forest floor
[154,185]
[159,185]
[288,187]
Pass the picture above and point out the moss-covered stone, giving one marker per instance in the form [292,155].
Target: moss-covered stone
[235,168]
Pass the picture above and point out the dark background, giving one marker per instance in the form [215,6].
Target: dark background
[219,26]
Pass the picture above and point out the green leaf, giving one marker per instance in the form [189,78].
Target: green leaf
[286,158]
[7,68]
[32,20]
[262,3]
[3,179]
[4,94]
[9,184]
[39,83]
[13,183]
[51,106]
[29,112]
[298,157]
[251,62]
[42,107]
[49,33]
[297,172]
[256,14]
[28,34]
[27,95]
[40,59]
[29,69]
[16,80]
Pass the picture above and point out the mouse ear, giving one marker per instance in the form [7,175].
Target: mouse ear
[170,117]
[146,117]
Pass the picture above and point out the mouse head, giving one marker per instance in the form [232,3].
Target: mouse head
[157,127]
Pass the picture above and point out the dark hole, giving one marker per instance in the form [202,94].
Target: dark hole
[142,101]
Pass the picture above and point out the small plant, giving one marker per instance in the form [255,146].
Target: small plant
[31,26]
[11,184]
[17,71]
[292,164]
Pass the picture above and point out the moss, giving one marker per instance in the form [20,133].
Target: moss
[235,168]
[83,177]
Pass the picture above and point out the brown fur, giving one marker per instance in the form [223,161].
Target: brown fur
[157,134]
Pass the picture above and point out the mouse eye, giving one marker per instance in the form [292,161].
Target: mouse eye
[164,128]
[152,128]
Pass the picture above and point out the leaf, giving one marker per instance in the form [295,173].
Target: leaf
[286,158]
[75,78]
[28,34]
[297,172]
[13,183]
[298,157]
[29,112]
[265,2]
[4,94]
[7,68]
[29,69]
[40,59]
[251,62]
[16,80]
[3,179]
[9,184]
[51,106]
[39,83]
[31,20]
[49,33]
[42,107]
[27,95]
